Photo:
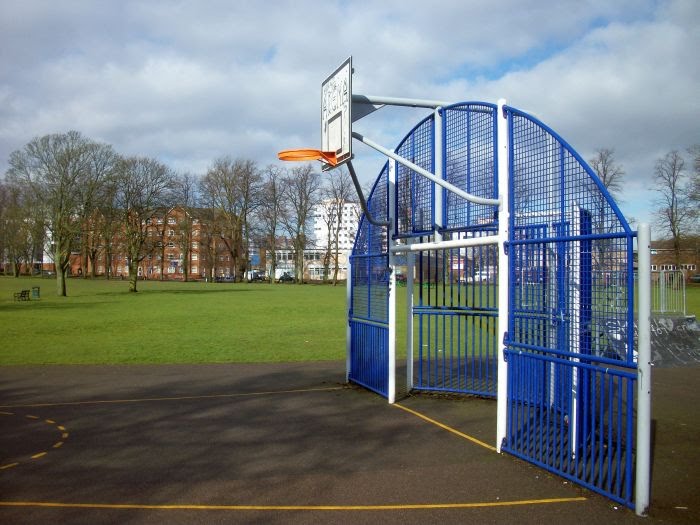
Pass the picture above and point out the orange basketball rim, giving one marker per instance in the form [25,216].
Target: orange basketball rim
[329,157]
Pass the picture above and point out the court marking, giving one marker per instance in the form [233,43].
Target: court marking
[420,506]
[130,506]
[176,398]
[38,455]
[448,428]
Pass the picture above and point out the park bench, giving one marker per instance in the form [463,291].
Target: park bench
[22,296]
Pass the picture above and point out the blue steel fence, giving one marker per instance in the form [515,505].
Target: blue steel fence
[369,300]
[571,395]
[569,344]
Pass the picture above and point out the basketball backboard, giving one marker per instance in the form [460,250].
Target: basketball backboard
[336,114]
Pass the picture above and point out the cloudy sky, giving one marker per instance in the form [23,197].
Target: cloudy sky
[187,82]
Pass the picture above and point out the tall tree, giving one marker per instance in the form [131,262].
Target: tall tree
[301,190]
[609,172]
[231,186]
[57,169]
[187,198]
[102,162]
[611,175]
[336,194]
[142,188]
[674,212]
[271,212]
[22,227]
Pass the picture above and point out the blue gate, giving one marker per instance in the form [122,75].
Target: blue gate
[569,401]
[368,315]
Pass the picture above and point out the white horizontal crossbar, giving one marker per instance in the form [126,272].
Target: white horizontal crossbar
[443,245]
[425,173]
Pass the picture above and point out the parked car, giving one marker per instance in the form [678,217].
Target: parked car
[695,278]
[285,278]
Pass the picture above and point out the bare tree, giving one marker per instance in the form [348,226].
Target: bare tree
[271,212]
[674,212]
[22,227]
[102,162]
[336,194]
[301,191]
[186,196]
[142,186]
[57,169]
[609,172]
[231,186]
[611,176]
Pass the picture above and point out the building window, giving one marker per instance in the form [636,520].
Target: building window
[171,245]
[159,221]
[171,269]
[171,256]
[195,245]
[171,220]
[194,257]
[171,233]
[194,269]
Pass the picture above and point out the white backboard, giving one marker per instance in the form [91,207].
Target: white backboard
[336,113]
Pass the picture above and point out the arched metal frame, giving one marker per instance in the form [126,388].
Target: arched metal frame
[530,301]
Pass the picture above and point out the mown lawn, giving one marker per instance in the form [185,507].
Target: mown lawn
[169,322]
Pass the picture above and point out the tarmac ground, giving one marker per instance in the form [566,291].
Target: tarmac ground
[291,443]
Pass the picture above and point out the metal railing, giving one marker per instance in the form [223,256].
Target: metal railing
[668,292]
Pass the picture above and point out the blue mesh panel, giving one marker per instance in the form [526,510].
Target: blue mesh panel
[370,260]
[572,291]
[470,163]
[414,202]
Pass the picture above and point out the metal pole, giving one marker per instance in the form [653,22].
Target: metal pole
[467,242]
[410,165]
[392,286]
[399,101]
[642,486]
[348,328]
[438,158]
[361,197]
[503,270]
[410,267]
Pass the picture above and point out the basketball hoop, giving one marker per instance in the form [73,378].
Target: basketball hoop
[328,157]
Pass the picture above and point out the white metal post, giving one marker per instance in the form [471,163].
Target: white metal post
[503,269]
[642,480]
[348,309]
[392,284]
[437,156]
[410,268]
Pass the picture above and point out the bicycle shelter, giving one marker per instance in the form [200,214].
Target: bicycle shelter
[506,292]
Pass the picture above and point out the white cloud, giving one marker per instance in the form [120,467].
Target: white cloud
[187,82]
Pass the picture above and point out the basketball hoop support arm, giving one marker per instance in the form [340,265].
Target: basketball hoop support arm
[410,165]
[363,202]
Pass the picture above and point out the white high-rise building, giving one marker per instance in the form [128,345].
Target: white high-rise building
[325,221]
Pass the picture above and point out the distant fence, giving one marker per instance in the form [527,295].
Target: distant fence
[668,292]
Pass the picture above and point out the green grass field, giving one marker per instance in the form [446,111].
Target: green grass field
[169,322]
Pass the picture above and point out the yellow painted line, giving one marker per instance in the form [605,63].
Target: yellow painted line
[7,413]
[58,444]
[61,427]
[445,427]
[31,417]
[10,465]
[50,421]
[39,455]
[419,506]
[64,435]
[182,398]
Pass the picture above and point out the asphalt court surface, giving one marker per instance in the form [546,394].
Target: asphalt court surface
[290,443]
